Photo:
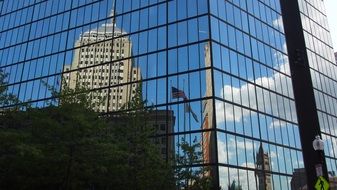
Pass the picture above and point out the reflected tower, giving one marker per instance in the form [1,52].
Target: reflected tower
[263,169]
[207,112]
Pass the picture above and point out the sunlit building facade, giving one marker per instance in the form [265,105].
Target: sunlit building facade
[219,70]
[92,73]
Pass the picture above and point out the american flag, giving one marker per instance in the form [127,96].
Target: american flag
[176,93]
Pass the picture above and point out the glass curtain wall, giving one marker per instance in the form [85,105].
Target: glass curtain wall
[215,73]
[117,49]
[323,70]
[257,133]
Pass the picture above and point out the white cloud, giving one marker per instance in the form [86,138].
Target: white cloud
[277,123]
[331,6]
[330,144]
[233,145]
[243,177]
[278,23]
[241,145]
[225,154]
[266,102]
[273,154]
[222,152]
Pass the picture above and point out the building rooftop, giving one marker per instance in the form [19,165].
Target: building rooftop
[105,29]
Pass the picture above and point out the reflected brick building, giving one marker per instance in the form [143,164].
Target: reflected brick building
[161,121]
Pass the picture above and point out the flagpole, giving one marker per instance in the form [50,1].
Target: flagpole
[170,95]
[187,180]
[184,108]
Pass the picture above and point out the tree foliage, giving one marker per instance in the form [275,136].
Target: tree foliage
[234,186]
[192,178]
[147,169]
[70,146]
[5,97]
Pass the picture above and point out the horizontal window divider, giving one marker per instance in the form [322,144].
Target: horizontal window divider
[248,13]
[191,132]
[255,170]
[107,63]
[97,42]
[256,139]
[329,114]
[331,96]
[102,88]
[60,13]
[268,66]
[197,165]
[103,41]
[257,111]
[252,83]
[19,9]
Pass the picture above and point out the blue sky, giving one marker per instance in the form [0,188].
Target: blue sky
[331,6]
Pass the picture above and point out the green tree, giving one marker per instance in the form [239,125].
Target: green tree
[192,178]
[6,98]
[70,146]
[146,167]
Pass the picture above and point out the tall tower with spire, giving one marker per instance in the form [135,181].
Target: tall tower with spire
[263,169]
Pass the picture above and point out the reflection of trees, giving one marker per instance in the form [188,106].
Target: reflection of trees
[187,176]
[70,146]
[77,95]
[233,186]
[5,97]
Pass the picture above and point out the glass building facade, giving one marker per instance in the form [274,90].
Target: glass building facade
[216,72]
[323,70]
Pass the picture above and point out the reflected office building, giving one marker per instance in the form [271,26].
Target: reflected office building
[101,61]
[251,81]
[91,71]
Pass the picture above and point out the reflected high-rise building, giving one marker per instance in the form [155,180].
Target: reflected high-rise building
[102,59]
[95,66]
